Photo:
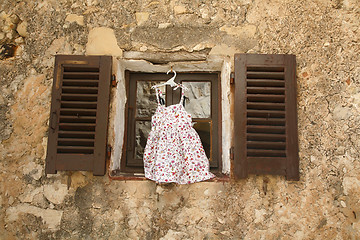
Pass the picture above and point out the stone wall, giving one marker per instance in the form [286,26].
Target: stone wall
[324,204]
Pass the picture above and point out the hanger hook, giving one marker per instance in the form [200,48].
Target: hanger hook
[173,72]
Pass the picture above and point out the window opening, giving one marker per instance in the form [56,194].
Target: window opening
[202,102]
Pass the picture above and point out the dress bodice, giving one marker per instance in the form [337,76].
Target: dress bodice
[173,117]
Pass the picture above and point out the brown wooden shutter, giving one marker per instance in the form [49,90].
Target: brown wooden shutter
[266,140]
[79,114]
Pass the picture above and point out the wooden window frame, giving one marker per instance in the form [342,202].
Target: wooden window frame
[130,109]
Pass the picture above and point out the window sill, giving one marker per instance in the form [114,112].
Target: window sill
[140,177]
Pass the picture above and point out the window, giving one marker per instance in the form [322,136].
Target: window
[265,139]
[201,101]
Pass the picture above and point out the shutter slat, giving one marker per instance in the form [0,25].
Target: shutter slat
[266,145]
[266,137]
[265,129]
[75,149]
[265,98]
[78,104]
[80,89]
[75,142]
[80,107]
[78,111]
[265,105]
[81,75]
[265,115]
[265,90]
[76,126]
[264,68]
[266,121]
[266,75]
[79,119]
[80,82]
[76,134]
[265,83]
[78,97]
[266,153]
[80,68]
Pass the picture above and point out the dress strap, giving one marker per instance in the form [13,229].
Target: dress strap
[183,88]
[158,95]
[182,96]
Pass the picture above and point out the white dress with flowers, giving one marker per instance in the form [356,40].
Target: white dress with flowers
[174,152]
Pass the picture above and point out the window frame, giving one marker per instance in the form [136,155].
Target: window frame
[130,108]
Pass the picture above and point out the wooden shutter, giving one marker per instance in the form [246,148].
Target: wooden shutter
[266,140]
[79,114]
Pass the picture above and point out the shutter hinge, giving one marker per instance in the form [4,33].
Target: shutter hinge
[232,78]
[231,150]
[108,151]
[113,80]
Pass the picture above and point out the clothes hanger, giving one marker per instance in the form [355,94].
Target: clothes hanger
[170,82]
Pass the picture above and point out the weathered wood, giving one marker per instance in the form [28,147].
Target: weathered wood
[266,139]
[79,114]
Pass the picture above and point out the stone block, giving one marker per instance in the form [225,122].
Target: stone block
[351,185]
[22,29]
[341,113]
[50,217]
[55,192]
[179,9]
[75,18]
[102,41]
[141,17]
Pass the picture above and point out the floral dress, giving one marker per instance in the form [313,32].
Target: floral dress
[174,152]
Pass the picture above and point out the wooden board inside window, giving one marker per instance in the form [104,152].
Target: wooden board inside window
[266,140]
[202,102]
[79,114]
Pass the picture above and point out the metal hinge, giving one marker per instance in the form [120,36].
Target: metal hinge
[108,151]
[232,78]
[113,80]
[231,150]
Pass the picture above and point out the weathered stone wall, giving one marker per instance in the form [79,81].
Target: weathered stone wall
[324,204]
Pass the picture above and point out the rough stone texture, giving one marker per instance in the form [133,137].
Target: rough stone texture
[324,204]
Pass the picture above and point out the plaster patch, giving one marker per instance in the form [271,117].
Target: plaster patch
[102,41]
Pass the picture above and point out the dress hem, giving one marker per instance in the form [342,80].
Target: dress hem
[181,183]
